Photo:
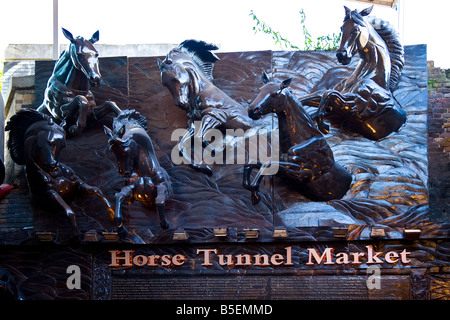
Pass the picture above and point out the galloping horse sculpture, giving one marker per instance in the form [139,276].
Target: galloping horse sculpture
[306,160]
[67,97]
[36,141]
[363,102]
[146,181]
[187,72]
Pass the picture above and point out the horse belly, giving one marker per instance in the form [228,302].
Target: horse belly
[63,186]
[333,184]
[145,191]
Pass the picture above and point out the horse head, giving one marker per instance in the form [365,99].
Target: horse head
[128,127]
[84,56]
[271,98]
[124,149]
[355,33]
[176,78]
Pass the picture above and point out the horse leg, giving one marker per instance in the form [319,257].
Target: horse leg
[160,202]
[182,147]
[125,193]
[331,102]
[56,198]
[312,99]
[95,191]
[104,109]
[252,186]
[78,108]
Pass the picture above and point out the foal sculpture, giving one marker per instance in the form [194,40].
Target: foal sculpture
[145,180]
[306,160]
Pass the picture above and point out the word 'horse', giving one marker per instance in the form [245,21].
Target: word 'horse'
[187,73]
[67,96]
[363,102]
[306,160]
[36,141]
[146,181]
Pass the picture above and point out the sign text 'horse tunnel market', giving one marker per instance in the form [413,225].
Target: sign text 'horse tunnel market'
[128,258]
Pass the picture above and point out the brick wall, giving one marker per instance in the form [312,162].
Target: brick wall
[439,142]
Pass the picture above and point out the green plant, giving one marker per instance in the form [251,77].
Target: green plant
[276,36]
[327,42]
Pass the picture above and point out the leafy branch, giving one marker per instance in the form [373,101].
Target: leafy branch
[276,36]
[327,42]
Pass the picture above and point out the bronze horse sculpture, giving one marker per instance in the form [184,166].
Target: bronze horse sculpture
[145,180]
[67,97]
[306,159]
[36,141]
[187,72]
[363,102]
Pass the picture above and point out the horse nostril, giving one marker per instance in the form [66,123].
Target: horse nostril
[126,174]
[341,54]
[95,81]
[254,114]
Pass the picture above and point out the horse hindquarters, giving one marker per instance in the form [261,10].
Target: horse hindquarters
[333,184]
[388,121]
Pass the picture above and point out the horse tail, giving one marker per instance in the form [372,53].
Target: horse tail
[395,48]
[18,126]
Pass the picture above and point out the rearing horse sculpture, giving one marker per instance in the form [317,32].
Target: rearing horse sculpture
[187,73]
[363,102]
[67,97]
[36,141]
[306,159]
[145,180]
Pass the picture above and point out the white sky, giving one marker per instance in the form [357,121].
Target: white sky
[226,22]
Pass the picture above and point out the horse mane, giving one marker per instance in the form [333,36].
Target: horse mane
[395,48]
[390,36]
[18,126]
[201,54]
[129,115]
[289,94]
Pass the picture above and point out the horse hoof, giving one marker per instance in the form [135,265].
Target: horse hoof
[73,130]
[202,168]
[256,197]
[122,231]
[165,225]
[324,128]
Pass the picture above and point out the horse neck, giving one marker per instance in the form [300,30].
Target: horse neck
[375,61]
[70,76]
[198,80]
[295,125]
[33,156]
[146,159]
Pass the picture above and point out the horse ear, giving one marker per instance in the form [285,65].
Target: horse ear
[285,83]
[265,79]
[348,11]
[160,65]
[108,132]
[95,37]
[366,11]
[68,35]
